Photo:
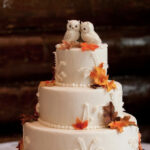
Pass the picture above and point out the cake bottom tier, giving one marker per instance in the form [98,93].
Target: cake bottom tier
[39,137]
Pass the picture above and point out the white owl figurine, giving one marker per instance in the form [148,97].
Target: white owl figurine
[73,31]
[88,34]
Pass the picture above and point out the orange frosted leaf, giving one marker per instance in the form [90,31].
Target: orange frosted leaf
[93,46]
[84,46]
[100,78]
[123,122]
[47,83]
[80,125]
[68,44]
[101,65]
[117,125]
[111,85]
[88,47]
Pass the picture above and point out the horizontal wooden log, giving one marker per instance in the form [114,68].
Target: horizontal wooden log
[23,16]
[16,100]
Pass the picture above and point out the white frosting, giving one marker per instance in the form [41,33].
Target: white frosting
[37,108]
[90,118]
[92,145]
[45,138]
[56,126]
[133,142]
[88,33]
[60,106]
[73,66]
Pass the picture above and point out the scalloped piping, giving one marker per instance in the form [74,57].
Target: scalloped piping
[51,125]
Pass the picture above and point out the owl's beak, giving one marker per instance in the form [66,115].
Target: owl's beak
[72,27]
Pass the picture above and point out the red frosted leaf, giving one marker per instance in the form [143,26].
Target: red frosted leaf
[80,125]
[88,47]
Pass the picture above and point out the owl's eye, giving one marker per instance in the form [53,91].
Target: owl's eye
[70,26]
[76,26]
[84,29]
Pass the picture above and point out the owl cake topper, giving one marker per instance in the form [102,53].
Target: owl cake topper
[88,34]
[73,31]
[89,38]
[86,29]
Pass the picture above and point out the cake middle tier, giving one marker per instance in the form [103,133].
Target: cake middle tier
[60,106]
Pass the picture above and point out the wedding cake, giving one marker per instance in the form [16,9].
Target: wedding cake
[81,109]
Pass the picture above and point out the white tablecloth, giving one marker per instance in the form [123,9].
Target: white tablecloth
[12,146]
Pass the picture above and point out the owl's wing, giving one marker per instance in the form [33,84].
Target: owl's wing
[95,37]
[67,35]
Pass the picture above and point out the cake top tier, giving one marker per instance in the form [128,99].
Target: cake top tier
[73,66]
[81,53]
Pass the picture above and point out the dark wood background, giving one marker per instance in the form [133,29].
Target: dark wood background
[29,30]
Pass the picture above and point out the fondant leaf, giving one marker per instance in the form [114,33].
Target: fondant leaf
[79,125]
[88,47]
[109,114]
[67,45]
[123,122]
[110,85]
[100,78]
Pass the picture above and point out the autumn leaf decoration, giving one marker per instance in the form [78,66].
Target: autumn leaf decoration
[29,118]
[20,145]
[109,114]
[140,145]
[47,83]
[80,125]
[101,79]
[67,45]
[112,120]
[88,47]
[123,122]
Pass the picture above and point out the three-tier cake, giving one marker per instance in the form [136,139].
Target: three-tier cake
[81,109]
